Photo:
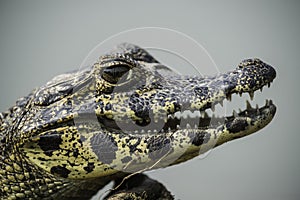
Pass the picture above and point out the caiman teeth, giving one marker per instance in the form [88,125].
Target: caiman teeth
[213,107]
[234,113]
[204,114]
[251,94]
[185,114]
[248,105]
[221,103]
[188,126]
[261,89]
[228,97]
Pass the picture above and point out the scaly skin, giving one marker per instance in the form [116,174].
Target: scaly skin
[70,137]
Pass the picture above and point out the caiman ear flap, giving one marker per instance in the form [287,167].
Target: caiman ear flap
[135,52]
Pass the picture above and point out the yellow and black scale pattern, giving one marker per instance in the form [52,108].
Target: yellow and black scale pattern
[70,137]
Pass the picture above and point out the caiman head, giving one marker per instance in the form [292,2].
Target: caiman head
[128,112]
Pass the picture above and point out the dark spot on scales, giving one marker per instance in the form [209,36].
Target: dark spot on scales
[60,171]
[50,143]
[42,159]
[133,147]
[199,139]
[75,153]
[237,125]
[105,147]
[89,168]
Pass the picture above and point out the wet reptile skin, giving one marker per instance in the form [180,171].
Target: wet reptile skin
[70,137]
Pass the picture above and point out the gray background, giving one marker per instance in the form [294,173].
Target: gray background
[39,39]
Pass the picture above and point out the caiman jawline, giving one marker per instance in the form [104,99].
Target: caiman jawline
[195,119]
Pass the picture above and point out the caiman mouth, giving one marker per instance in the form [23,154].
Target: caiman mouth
[200,119]
[250,76]
[196,119]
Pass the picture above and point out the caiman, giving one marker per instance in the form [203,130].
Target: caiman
[125,114]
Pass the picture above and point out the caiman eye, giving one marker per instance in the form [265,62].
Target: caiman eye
[117,74]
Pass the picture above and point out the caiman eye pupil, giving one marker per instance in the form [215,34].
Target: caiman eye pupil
[115,73]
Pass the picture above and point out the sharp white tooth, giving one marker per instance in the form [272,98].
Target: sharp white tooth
[177,115]
[188,126]
[251,94]
[185,116]
[169,129]
[190,114]
[248,105]
[197,113]
[136,132]
[213,107]
[206,115]
[154,131]
[196,126]
[234,113]
[228,97]
[142,131]
[202,114]
[178,127]
[221,103]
